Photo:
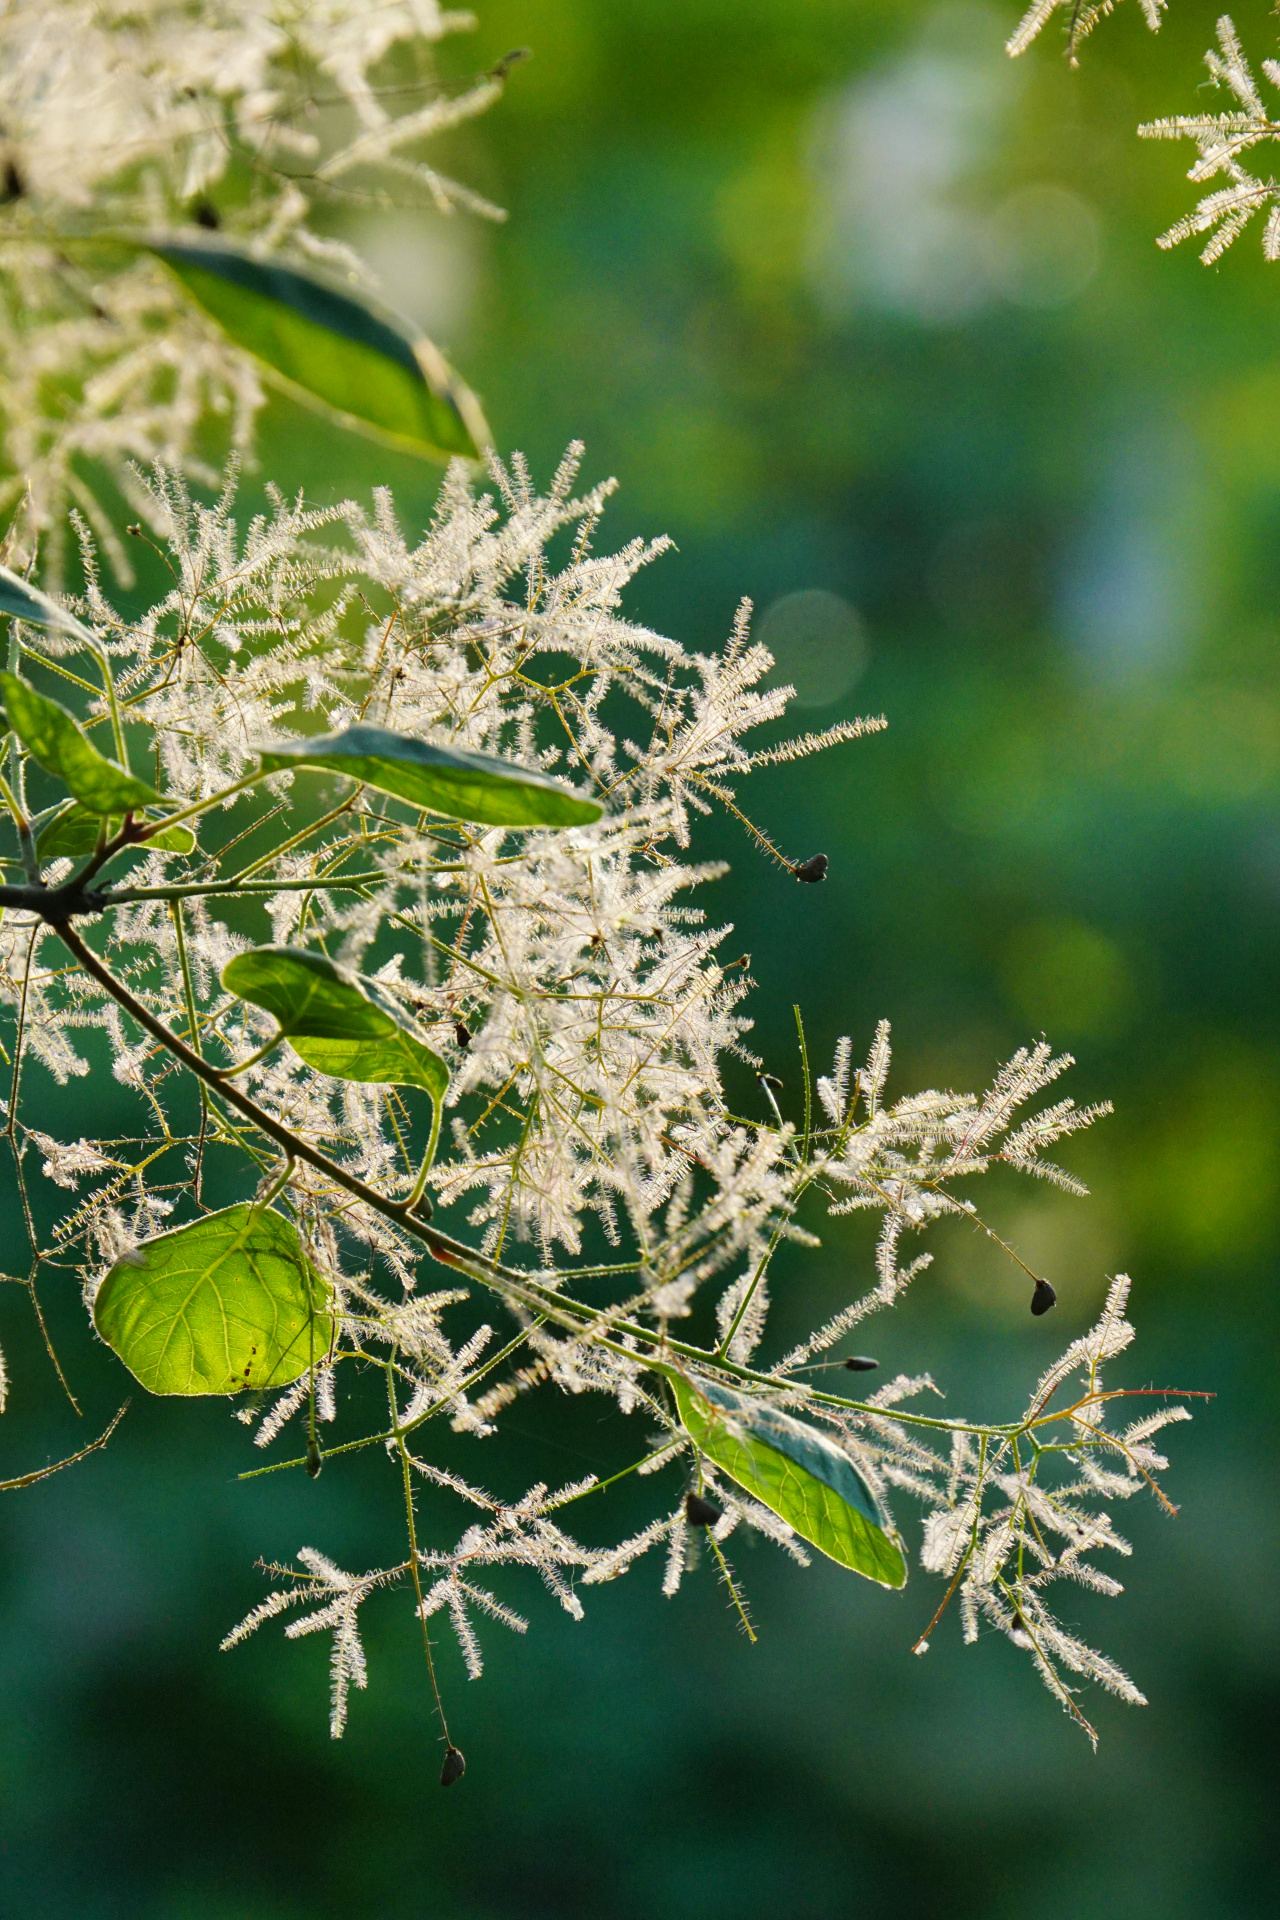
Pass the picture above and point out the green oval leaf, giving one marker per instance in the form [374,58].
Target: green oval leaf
[462,786]
[337,1023]
[798,1473]
[228,1303]
[10,849]
[72,832]
[67,831]
[332,350]
[56,739]
[25,602]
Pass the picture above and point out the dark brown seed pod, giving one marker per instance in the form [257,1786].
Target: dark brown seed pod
[861,1363]
[206,215]
[313,1457]
[700,1512]
[1043,1298]
[509,60]
[134,530]
[462,1034]
[453,1769]
[813,869]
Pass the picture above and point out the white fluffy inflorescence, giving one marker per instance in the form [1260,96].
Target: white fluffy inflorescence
[580,998]
[1224,139]
[1080,17]
[585,1010]
[119,120]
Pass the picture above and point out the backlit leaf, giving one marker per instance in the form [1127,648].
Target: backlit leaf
[72,832]
[333,350]
[462,786]
[10,849]
[25,602]
[337,1023]
[56,739]
[228,1303]
[797,1472]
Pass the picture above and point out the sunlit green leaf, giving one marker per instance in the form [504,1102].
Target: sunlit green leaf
[55,738]
[72,832]
[338,1024]
[10,849]
[797,1472]
[25,602]
[68,831]
[333,350]
[227,1303]
[462,786]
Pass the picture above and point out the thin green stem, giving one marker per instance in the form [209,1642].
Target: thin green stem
[193,1032]
[295,840]
[808,1089]
[242,1066]
[419,1185]
[26,844]
[637,1466]
[278,1184]
[203,889]
[45,1473]
[10,800]
[117,726]
[415,1575]
[201,806]
[406,1426]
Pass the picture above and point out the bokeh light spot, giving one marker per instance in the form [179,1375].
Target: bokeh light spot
[1069,980]
[1043,246]
[818,643]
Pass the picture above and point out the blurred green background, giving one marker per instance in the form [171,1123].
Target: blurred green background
[857,310]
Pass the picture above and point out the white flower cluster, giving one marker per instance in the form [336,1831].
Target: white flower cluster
[1007,1520]
[1007,1530]
[119,120]
[582,1004]
[1223,140]
[1080,18]
[580,1001]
